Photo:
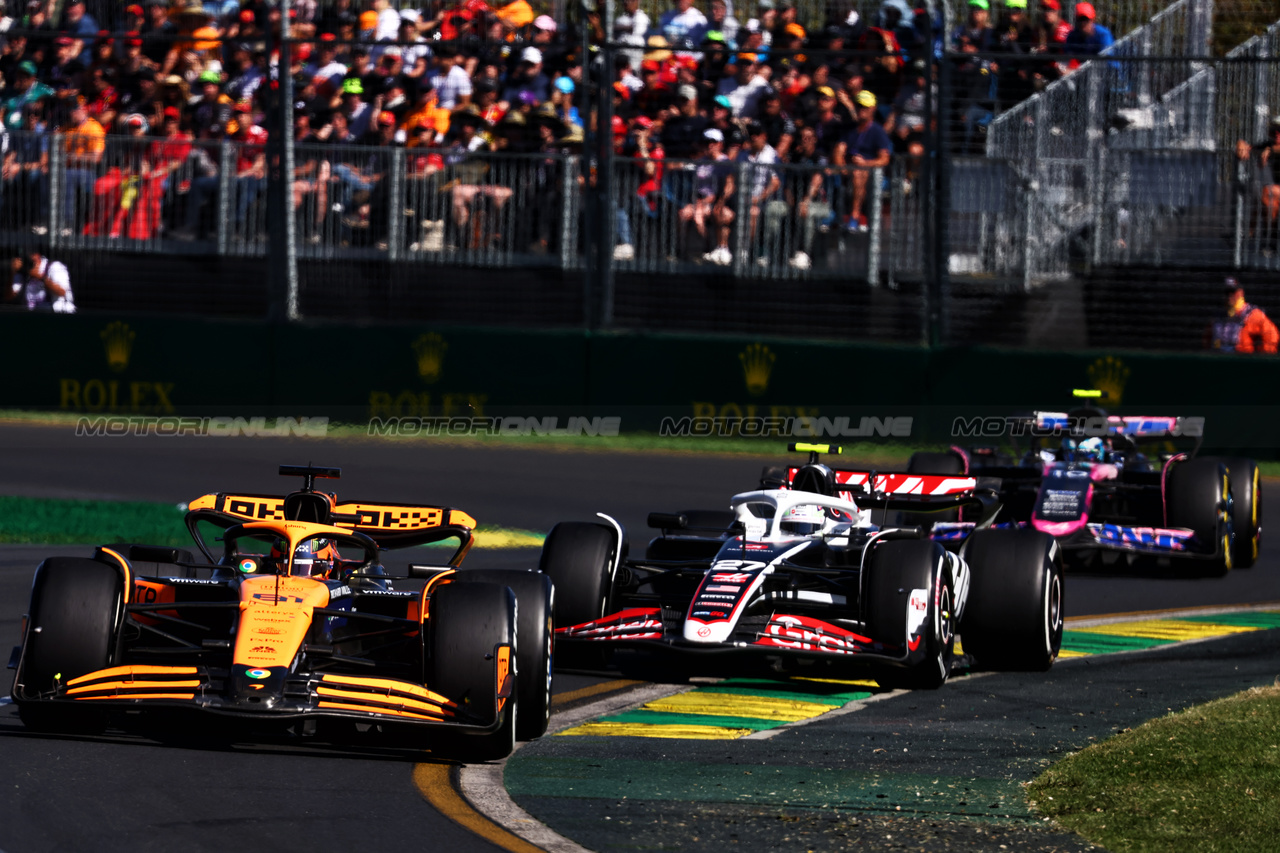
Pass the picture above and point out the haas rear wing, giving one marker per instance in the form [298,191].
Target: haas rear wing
[914,492]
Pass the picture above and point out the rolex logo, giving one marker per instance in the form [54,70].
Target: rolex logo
[757,364]
[117,338]
[430,349]
[1109,375]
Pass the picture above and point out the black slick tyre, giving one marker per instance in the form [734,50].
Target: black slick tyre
[76,610]
[535,604]
[1198,496]
[1013,616]
[896,570]
[578,557]
[1246,510]
[466,624]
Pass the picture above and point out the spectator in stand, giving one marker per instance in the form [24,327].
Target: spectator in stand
[631,27]
[684,133]
[527,79]
[158,34]
[25,90]
[762,184]
[709,213]
[1088,36]
[42,284]
[778,126]
[866,146]
[809,196]
[720,22]
[681,23]
[84,142]
[81,27]
[452,85]
[204,184]
[906,121]
[1058,28]
[829,127]
[251,162]
[1268,178]
[746,87]
[26,167]
[1245,328]
[127,197]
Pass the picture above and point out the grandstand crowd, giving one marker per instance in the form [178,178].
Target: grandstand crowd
[781,119]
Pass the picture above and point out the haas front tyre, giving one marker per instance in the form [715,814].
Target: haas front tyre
[535,603]
[578,557]
[909,605]
[76,610]
[467,622]
[1013,618]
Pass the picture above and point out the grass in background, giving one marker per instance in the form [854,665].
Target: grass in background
[70,522]
[1204,779]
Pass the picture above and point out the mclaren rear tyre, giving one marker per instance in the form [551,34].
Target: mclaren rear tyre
[535,604]
[1246,510]
[467,622]
[76,610]
[901,574]
[1198,496]
[1013,617]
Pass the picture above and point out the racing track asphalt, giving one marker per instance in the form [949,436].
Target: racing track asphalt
[129,792]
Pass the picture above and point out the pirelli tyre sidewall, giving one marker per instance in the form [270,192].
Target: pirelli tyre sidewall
[73,628]
[1198,496]
[535,604]
[466,623]
[897,569]
[1013,617]
[1246,509]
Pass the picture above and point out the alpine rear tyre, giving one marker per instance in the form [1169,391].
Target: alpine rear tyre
[1198,496]
[1246,510]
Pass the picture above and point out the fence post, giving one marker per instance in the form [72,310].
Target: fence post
[897,203]
[226,183]
[57,173]
[1241,227]
[873,231]
[742,241]
[1093,158]
[397,204]
[568,210]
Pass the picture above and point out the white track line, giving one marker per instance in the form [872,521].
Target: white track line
[482,786]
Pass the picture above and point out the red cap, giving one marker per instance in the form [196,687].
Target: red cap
[327,37]
[1051,5]
[132,39]
[644,121]
[1085,10]
[247,16]
[134,9]
[302,51]
[63,41]
[172,112]
[619,125]
[649,65]
[244,106]
[387,118]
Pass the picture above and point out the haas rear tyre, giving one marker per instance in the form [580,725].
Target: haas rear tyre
[1013,617]
[1246,510]
[466,623]
[1198,496]
[909,594]
[535,604]
[76,610]
[578,557]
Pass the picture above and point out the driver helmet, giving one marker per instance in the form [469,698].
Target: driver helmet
[802,520]
[1092,450]
[313,559]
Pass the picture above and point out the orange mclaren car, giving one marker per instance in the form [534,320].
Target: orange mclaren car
[291,617]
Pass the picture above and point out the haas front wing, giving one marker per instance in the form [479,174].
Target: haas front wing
[725,616]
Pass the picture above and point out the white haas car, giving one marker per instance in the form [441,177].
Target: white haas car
[807,567]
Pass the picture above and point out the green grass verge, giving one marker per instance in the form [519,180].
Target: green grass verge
[1204,779]
[48,521]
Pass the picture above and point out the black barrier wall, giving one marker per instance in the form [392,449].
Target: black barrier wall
[127,365]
